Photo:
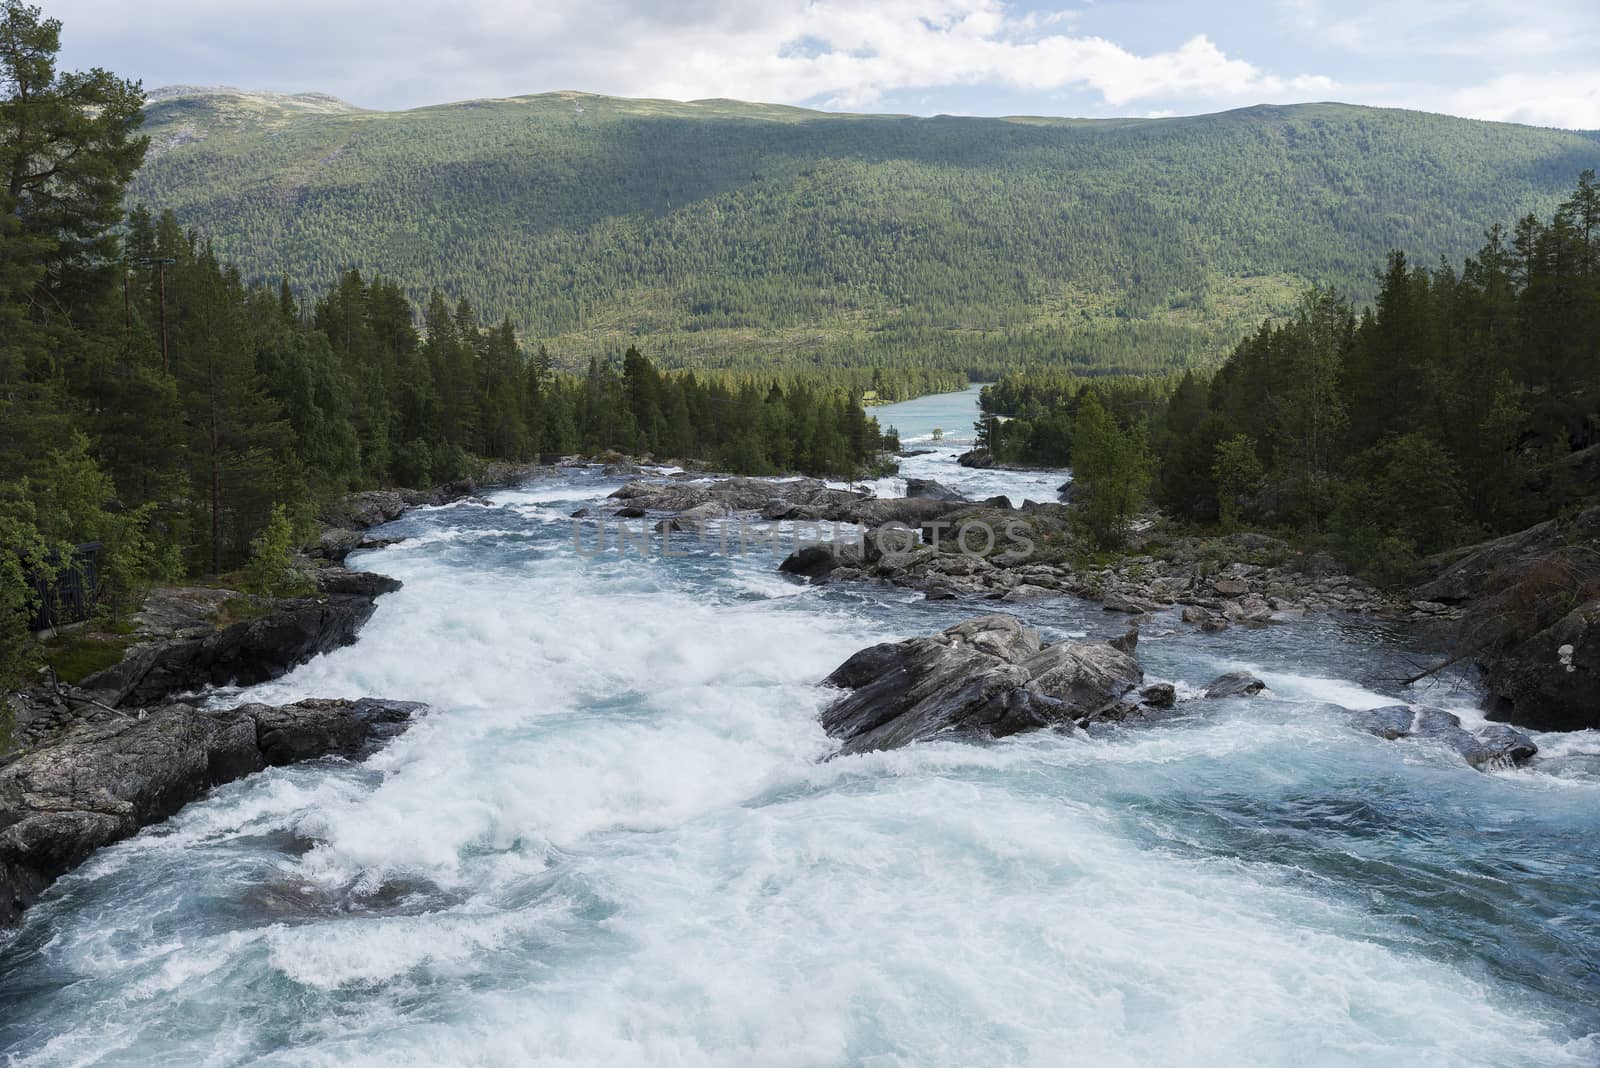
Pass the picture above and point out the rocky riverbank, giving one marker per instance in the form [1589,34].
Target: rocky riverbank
[1525,608]
[919,542]
[111,773]
[95,762]
[991,677]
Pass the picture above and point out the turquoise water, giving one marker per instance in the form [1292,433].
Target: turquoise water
[953,414]
[615,841]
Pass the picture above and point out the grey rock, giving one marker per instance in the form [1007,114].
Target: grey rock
[1028,592]
[1116,601]
[1391,721]
[1494,746]
[249,651]
[1550,681]
[1235,684]
[927,488]
[814,562]
[101,781]
[1159,695]
[977,458]
[987,677]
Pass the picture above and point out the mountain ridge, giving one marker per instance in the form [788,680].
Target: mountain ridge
[722,232]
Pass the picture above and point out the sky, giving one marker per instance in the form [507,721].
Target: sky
[1532,62]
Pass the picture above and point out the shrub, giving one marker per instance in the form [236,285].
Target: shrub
[271,571]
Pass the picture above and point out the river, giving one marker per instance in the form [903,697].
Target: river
[615,841]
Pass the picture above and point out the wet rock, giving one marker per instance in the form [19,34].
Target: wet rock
[976,458]
[1506,745]
[987,677]
[999,501]
[102,780]
[1235,684]
[1116,601]
[1028,592]
[630,511]
[247,652]
[1126,642]
[908,511]
[336,543]
[1159,695]
[1494,746]
[1250,609]
[1390,722]
[369,584]
[814,562]
[1550,681]
[927,488]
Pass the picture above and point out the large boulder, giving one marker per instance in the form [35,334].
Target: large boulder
[928,489]
[1473,572]
[1550,682]
[988,677]
[791,498]
[103,779]
[1235,684]
[978,458]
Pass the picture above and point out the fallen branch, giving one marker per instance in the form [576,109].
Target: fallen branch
[1440,666]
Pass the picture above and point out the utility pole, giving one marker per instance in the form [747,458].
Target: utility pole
[161,273]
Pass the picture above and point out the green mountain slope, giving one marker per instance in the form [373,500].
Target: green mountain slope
[718,232]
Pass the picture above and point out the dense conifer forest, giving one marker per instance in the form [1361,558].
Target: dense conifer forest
[155,403]
[1457,406]
[324,299]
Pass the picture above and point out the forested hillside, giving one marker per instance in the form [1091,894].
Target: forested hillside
[1463,403]
[719,233]
[168,418]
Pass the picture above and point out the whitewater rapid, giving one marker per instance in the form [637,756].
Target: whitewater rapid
[616,840]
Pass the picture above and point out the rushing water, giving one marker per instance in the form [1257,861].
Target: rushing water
[615,841]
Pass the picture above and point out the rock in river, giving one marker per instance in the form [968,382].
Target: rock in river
[1494,746]
[987,677]
[1235,684]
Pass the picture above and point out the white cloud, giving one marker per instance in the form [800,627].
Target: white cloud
[851,52]
[1484,58]
[1571,101]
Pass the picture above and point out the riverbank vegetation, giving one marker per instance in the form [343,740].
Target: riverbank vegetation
[180,421]
[1451,409]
